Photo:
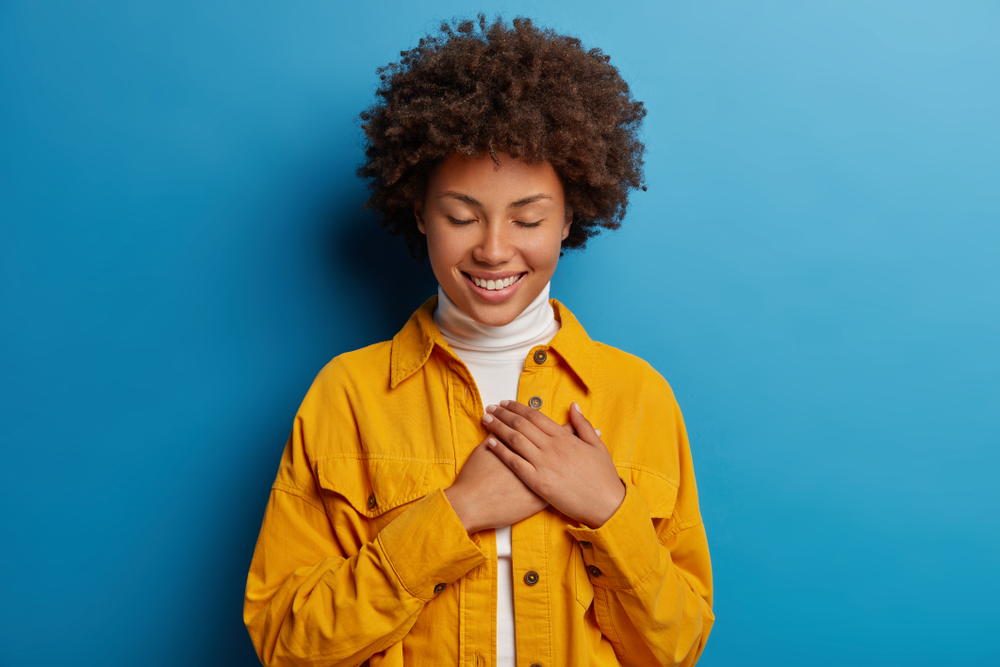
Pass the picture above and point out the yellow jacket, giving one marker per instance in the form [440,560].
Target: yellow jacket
[361,557]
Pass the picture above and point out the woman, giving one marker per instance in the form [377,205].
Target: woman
[444,497]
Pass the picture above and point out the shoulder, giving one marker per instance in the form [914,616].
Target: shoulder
[340,395]
[602,366]
[369,361]
[362,371]
[623,372]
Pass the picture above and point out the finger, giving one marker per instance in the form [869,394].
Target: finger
[521,422]
[514,438]
[569,428]
[520,467]
[584,429]
[536,417]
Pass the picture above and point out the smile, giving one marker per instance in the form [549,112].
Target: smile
[494,290]
[493,285]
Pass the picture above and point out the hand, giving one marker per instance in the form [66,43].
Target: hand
[573,472]
[486,494]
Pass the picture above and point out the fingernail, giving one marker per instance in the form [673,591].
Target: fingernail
[598,432]
[577,407]
[504,403]
[487,418]
[490,408]
[491,442]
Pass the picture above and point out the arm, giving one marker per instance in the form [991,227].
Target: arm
[653,583]
[649,565]
[320,591]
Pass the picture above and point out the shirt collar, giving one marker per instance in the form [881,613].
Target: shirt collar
[412,346]
[537,322]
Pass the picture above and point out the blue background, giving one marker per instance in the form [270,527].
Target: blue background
[814,269]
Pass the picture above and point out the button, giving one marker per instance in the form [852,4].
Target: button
[531,578]
[535,402]
[540,357]
[594,572]
[535,664]
[372,504]
[438,588]
[585,544]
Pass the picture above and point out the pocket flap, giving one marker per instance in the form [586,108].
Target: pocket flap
[374,486]
[659,493]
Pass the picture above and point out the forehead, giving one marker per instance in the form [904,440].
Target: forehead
[482,179]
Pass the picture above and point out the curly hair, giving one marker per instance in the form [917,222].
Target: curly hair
[516,89]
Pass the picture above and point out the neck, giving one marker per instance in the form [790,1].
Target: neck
[461,330]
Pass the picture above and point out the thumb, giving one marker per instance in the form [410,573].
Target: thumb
[584,429]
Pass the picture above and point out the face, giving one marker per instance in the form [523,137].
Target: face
[493,234]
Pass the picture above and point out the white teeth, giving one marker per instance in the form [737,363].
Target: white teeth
[493,285]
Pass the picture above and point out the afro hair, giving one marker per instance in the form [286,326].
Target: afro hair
[479,88]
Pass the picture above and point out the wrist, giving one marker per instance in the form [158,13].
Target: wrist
[463,507]
[613,501]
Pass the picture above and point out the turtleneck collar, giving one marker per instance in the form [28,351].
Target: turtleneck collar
[462,331]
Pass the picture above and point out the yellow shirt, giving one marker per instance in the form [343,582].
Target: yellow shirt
[361,557]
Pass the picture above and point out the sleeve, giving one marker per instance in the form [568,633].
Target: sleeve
[652,574]
[320,591]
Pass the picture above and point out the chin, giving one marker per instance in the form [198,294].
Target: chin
[479,307]
[494,317]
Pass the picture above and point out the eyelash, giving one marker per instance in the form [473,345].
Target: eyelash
[455,221]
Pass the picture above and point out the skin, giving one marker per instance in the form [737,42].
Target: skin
[570,468]
[495,223]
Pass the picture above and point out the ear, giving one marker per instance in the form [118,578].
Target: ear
[567,223]
[418,213]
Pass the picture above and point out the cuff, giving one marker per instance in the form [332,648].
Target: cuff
[428,547]
[623,551]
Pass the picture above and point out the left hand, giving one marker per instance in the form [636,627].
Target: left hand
[572,472]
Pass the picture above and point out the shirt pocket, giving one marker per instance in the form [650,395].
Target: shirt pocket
[378,489]
[656,489]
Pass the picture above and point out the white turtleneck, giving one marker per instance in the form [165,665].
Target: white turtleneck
[495,356]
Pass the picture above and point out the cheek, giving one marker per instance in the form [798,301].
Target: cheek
[443,249]
[544,253]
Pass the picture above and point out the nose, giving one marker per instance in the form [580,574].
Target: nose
[494,246]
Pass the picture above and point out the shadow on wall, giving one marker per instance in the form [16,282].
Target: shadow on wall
[375,286]
[389,284]
[227,643]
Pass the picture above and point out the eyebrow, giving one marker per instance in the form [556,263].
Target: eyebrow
[524,201]
[529,200]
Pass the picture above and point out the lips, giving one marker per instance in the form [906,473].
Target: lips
[499,288]
[495,284]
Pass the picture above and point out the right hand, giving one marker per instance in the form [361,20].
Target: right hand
[487,494]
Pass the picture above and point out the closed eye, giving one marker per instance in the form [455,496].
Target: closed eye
[528,224]
[455,221]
